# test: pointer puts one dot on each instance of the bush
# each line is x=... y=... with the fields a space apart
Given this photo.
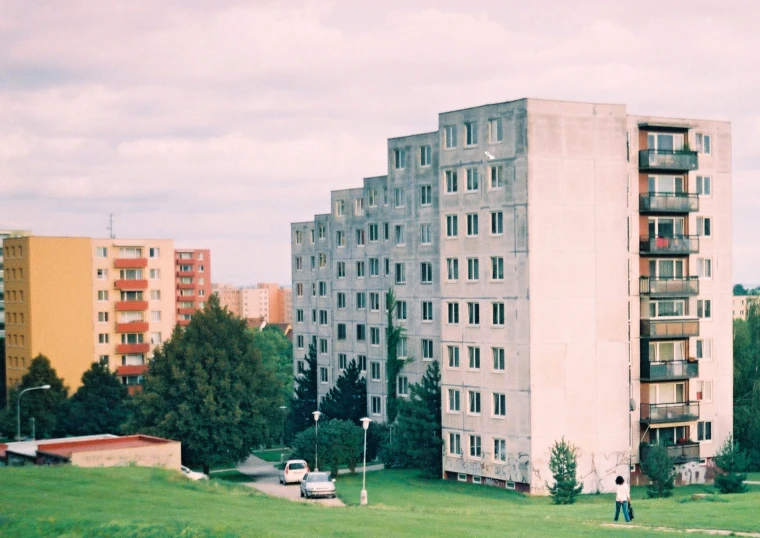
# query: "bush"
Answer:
x=658 y=467
x=340 y=443
x=731 y=462
x=563 y=464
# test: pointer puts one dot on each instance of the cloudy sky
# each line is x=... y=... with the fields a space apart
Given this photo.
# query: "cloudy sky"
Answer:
x=218 y=122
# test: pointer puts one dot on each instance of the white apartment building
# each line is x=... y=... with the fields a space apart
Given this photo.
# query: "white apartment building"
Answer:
x=568 y=265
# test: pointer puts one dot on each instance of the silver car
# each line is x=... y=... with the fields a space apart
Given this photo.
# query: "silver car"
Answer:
x=317 y=485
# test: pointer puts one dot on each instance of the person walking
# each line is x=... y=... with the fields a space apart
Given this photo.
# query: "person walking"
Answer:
x=622 y=498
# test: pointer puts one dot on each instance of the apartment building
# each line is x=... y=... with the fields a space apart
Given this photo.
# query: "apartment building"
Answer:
x=193 y=273
x=742 y=304
x=229 y=297
x=569 y=267
x=266 y=301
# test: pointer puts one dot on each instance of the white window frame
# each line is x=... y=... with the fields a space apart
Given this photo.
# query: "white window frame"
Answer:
x=454 y=399
x=425 y=156
x=499 y=405
x=449 y=136
x=470 y=134
x=452 y=226
x=452 y=352
x=499 y=361
x=497 y=268
x=451 y=180
x=472 y=183
x=472 y=224
x=495 y=131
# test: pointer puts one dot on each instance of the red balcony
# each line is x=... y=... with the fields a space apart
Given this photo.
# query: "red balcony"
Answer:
x=186 y=273
x=131 y=284
x=132 y=348
x=186 y=310
x=185 y=286
x=130 y=263
x=131 y=306
x=138 y=369
x=132 y=327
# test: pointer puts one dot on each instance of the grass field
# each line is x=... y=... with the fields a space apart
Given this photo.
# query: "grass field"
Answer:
x=134 y=501
x=271 y=455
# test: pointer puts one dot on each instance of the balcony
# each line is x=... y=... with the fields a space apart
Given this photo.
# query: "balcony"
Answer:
x=669 y=287
x=669 y=328
x=190 y=274
x=678 y=244
x=669 y=412
x=680 y=453
x=132 y=327
x=186 y=310
x=185 y=286
x=668 y=370
x=131 y=306
x=130 y=263
x=130 y=284
x=652 y=159
x=658 y=202
x=132 y=348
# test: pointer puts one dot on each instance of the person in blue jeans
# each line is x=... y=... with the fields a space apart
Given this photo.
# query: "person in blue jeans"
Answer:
x=622 y=499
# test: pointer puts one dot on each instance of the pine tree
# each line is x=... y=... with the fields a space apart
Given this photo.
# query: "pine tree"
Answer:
x=99 y=405
x=731 y=463
x=305 y=400
x=563 y=463
x=658 y=466
x=347 y=400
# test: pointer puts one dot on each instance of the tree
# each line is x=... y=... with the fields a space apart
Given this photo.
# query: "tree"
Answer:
x=347 y=400
x=417 y=441
x=209 y=388
x=45 y=406
x=306 y=398
x=277 y=352
x=658 y=466
x=731 y=463
x=340 y=443
x=3 y=389
x=747 y=383
x=563 y=463
x=740 y=290
x=393 y=335
x=99 y=405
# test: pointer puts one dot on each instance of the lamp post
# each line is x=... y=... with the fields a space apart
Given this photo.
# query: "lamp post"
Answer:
x=282 y=435
x=316 y=414
x=18 y=408
x=363 y=497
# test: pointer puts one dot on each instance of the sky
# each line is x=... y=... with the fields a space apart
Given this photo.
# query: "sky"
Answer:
x=218 y=123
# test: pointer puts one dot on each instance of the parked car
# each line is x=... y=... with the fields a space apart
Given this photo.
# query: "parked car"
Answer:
x=317 y=485
x=193 y=475
x=293 y=471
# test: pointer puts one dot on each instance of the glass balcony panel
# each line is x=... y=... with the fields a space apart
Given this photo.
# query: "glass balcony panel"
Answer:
x=676 y=244
x=654 y=202
x=669 y=328
x=669 y=412
x=668 y=370
x=653 y=159
x=679 y=453
x=669 y=287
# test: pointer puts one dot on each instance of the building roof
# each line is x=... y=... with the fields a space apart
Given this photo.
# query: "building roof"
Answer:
x=67 y=448
x=29 y=448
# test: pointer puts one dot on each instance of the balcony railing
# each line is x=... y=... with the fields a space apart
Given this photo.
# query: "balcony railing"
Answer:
x=131 y=306
x=678 y=244
x=669 y=328
x=652 y=159
x=658 y=202
x=668 y=370
x=131 y=284
x=132 y=348
x=670 y=412
x=669 y=287
x=680 y=453
x=130 y=263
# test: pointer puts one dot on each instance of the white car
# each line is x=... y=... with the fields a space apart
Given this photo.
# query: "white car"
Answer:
x=294 y=471
x=193 y=475
x=318 y=485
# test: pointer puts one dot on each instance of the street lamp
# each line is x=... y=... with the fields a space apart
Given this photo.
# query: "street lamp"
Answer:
x=363 y=497
x=282 y=435
x=316 y=414
x=18 y=408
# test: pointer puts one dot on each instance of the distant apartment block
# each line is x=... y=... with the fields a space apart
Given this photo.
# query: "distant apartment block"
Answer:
x=268 y=302
x=742 y=304
x=5 y=234
x=193 y=273
x=569 y=267
x=229 y=297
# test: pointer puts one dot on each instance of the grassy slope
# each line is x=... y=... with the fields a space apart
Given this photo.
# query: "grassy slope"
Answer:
x=132 y=501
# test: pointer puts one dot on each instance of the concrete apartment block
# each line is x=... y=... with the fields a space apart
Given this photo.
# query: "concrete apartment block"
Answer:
x=567 y=264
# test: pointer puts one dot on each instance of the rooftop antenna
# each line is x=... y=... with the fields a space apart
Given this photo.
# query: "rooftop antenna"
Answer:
x=110 y=226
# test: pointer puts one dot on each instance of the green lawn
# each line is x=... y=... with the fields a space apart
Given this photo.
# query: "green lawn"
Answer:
x=755 y=477
x=271 y=454
x=134 y=501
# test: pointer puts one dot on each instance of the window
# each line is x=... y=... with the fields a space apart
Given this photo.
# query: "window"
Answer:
x=341 y=269
x=497 y=223
x=704 y=186
x=401 y=310
x=427 y=310
x=665 y=142
x=313 y=289
x=473 y=269
x=398 y=197
x=455 y=446
x=322 y=260
x=454 y=404
x=323 y=346
x=497 y=177
x=427 y=349
x=387 y=263
x=400 y=274
x=342 y=361
x=360 y=237
x=299 y=341
x=426 y=272
x=453 y=354
x=470 y=133
x=322 y=374
x=425 y=236
x=473 y=313
x=361 y=300
x=299 y=263
x=475 y=451
x=472 y=224
x=704 y=430
x=314 y=315
x=322 y=231
x=450 y=136
x=154 y=252
x=299 y=315
x=299 y=237
x=667 y=308
x=155 y=315
x=497 y=268
x=340 y=208
x=704 y=226
x=426 y=195
x=322 y=288
x=494 y=131
x=373 y=233
x=472 y=179
x=340 y=238
x=361 y=332
x=359 y=269
x=359 y=207
x=498 y=359
x=704 y=267
x=374 y=336
x=386 y=231
x=452 y=185
x=341 y=300
x=498 y=314
x=704 y=390
x=155 y=274
x=374 y=267
x=313 y=262
x=372 y=197
x=474 y=401
x=102 y=274
x=399 y=234
x=500 y=449
x=399 y=159
x=374 y=301
x=703 y=143
x=452 y=268
x=102 y=317
x=299 y=289
x=499 y=405
x=102 y=295
x=451 y=226
x=377 y=407
x=362 y=360
x=101 y=252
x=453 y=313
x=374 y=371
x=323 y=317
x=403 y=385
x=401 y=348
x=425 y=159
x=473 y=352
x=704 y=308
x=103 y=338
x=155 y=338
x=704 y=349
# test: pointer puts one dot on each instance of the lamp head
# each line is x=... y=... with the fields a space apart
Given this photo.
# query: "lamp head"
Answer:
x=316 y=414
x=365 y=422
x=45 y=387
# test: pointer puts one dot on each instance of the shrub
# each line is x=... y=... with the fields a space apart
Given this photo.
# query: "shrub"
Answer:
x=658 y=467
x=731 y=462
